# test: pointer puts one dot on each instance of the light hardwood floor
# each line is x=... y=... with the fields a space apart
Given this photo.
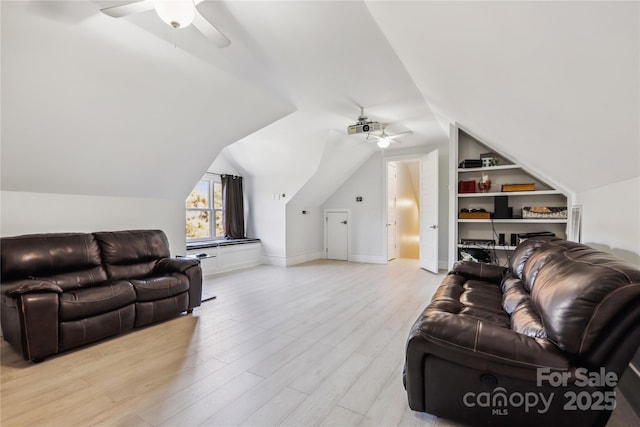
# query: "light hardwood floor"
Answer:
x=316 y=344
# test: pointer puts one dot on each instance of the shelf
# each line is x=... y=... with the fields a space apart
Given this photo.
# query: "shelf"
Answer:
x=512 y=193
x=503 y=248
x=463 y=145
x=518 y=221
x=489 y=168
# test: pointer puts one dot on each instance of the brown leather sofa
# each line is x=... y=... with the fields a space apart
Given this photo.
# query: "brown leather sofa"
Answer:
x=63 y=290
x=542 y=342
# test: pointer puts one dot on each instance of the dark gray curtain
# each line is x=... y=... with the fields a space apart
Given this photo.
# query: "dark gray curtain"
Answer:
x=233 y=206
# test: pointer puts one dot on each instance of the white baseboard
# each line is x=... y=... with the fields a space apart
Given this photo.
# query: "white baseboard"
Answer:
x=299 y=259
x=277 y=260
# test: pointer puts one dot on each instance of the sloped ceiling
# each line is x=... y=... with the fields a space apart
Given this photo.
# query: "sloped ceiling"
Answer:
x=103 y=106
x=555 y=85
x=331 y=58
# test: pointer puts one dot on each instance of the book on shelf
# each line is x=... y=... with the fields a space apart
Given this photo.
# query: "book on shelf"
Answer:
x=518 y=187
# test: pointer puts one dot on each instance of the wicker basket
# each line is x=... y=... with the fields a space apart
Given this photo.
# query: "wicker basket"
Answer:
x=541 y=212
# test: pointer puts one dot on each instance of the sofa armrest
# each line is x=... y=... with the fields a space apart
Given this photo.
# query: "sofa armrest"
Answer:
x=29 y=286
x=175 y=265
x=479 y=270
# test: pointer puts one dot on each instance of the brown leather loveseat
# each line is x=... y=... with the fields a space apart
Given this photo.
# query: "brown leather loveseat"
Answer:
x=542 y=342
x=63 y=290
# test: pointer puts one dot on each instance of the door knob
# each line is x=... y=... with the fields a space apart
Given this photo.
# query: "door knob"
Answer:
x=433 y=226
x=343 y=222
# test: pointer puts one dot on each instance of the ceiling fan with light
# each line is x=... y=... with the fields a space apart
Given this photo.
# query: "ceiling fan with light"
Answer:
x=384 y=139
x=176 y=13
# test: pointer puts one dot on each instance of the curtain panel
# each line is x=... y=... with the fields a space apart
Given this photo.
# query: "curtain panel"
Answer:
x=233 y=205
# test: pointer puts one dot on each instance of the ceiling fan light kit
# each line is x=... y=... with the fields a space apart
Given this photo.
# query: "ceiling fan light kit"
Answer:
x=176 y=13
x=384 y=142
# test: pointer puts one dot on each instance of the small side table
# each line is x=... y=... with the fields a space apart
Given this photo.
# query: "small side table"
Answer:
x=199 y=257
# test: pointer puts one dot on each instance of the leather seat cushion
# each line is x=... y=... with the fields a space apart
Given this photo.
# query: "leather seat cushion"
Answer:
x=470 y=298
x=156 y=288
x=87 y=302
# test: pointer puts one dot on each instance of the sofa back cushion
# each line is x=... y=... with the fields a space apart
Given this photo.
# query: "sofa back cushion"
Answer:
x=132 y=254
x=71 y=260
x=577 y=290
x=522 y=254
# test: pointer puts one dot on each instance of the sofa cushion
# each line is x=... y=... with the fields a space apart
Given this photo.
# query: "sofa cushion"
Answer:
x=155 y=288
x=88 y=302
x=470 y=298
x=132 y=254
x=523 y=252
x=69 y=260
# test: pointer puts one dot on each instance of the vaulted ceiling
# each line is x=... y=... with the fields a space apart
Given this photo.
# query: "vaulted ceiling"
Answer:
x=103 y=106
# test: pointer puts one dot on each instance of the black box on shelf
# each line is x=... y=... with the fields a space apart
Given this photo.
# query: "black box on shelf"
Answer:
x=470 y=163
x=500 y=208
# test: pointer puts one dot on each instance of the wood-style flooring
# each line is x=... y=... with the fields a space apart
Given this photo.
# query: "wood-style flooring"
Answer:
x=320 y=343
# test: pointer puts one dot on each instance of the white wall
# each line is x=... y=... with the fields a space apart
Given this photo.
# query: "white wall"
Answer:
x=28 y=213
x=366 y=216
x=266 y=216
x=611 y=218
x=305 y=234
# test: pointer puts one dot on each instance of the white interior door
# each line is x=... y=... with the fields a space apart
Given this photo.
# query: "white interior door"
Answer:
x=392 y=221
x=337 y=235
x=429 y=212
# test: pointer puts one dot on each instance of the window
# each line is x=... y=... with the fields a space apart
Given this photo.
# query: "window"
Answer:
x=204 y=210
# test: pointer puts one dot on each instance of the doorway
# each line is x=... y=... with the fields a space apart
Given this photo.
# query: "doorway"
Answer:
x=412 y=208
x=403 y=209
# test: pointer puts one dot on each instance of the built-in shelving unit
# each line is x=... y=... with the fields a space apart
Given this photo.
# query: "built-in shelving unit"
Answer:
x=464 y=146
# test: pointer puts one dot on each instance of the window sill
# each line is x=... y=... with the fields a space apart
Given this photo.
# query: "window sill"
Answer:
x=219 y=243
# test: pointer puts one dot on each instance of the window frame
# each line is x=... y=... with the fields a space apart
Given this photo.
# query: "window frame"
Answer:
x=213 y=180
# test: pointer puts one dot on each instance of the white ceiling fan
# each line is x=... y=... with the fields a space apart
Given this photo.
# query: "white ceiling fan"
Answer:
x=384 y=139
x=176 y=13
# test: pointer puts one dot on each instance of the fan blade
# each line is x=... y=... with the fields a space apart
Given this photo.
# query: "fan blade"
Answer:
x=395 y=135
x=209 y=31
x=128 y=9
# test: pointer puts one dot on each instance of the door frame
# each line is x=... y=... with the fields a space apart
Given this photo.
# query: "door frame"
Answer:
x=326 y=230
x=396 y=158
x=395 y=211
